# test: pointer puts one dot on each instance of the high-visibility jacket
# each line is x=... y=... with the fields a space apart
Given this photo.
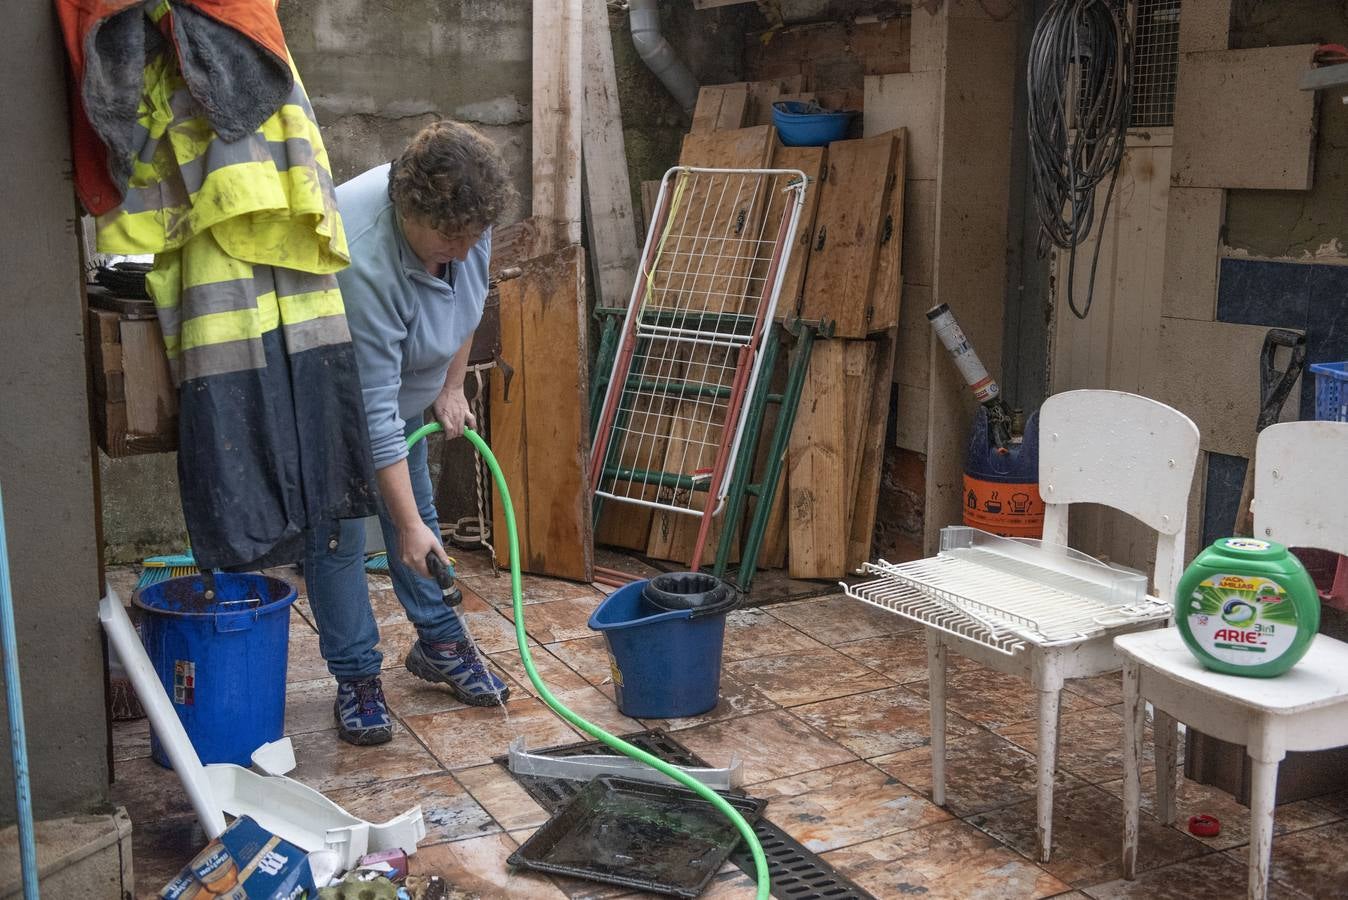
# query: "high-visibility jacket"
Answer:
x=232 y=54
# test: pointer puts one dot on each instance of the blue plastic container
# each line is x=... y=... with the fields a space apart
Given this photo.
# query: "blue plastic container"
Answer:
x=223 y=662
x=665 y=664
x=1331 y=391
x=808 y=124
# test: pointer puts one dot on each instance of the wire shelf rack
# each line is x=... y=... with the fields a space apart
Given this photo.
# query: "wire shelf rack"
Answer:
x=689 y=352
x=1006 y=601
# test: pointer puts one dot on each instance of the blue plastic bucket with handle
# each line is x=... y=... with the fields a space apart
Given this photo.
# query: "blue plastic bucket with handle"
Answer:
x=666 y=663
x=222 y=661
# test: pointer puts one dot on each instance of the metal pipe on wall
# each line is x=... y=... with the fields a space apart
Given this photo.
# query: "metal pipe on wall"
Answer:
x=658 y=55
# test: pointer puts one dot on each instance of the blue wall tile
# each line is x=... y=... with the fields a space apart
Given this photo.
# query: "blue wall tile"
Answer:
x=1226 y=476
x=1262 y=292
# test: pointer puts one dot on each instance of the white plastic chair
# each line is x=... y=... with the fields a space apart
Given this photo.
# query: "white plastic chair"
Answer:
x=1107 y=447
x=1300 y=500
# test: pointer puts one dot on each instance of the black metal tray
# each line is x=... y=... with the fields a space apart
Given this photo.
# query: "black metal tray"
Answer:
x=651 y=837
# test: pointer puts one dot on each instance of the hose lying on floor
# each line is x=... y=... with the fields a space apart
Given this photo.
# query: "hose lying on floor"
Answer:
x=594 y=731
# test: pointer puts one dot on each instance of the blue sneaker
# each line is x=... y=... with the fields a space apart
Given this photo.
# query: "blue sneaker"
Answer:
x=362 y=715
x=461 y=668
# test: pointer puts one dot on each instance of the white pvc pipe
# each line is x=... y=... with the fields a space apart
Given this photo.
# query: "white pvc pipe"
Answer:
x=167 y=727
x=658 y=55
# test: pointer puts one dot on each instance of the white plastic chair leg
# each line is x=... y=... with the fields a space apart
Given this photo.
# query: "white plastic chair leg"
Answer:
x=1134 y=720
x=1048 y=767
x=1263 y=794
x=1166 y=732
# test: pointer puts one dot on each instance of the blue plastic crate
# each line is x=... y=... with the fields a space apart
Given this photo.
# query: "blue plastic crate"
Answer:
x=1331 y=391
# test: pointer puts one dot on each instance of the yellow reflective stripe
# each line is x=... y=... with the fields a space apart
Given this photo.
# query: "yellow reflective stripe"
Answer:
x=239 y=325
x=312 y=305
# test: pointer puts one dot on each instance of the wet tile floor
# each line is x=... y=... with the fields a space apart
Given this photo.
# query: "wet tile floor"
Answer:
x=825 y=702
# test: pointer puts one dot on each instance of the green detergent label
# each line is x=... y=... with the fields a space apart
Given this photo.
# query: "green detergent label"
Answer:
x=1242 y=620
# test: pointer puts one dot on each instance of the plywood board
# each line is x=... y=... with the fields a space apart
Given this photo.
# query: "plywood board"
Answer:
x=866 y=495
x=1210 y=372
x=1242 y=121
x=609 y=218
x=762 y=94
x=858 y=386
x=809 y=160
x=1193 y=231
x=720 y=107
x=151 y=398
x=650 y=193
x=544 y=427
x=848 y=223
x=910 y=100
x=883 y=311
x=772 y=552
x=817 y=470
x=1205 y=25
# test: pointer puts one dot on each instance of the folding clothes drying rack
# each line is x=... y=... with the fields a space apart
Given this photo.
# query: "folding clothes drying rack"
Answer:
x=690 y=348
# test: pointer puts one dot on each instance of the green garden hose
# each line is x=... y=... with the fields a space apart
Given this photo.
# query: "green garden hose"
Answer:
x=594 y=731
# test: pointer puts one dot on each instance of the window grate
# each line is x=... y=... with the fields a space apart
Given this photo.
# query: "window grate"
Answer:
x=1155 y=63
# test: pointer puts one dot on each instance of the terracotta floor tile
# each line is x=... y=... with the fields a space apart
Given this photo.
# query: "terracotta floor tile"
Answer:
x=408 y=695
x=806 y=676
x=1312 y=861
x=557 y=675
x=558 y=620
x=982 y=771
x=1195 y=798
x=1214 y=875
x=838 y=618
x=1101 y=690
x=737 y=699
x=535 y=589
x=770 y=744
x=130 y=740
x=588 y=657
x=946 y=860
x=1336 y=803
x=451 y=813
x=502 y=796
x=492 y=631
x=478 y=867
x=848 y=804
x=309 y=705
x=1090 y=743
x=327 y=763
x=754 y=632
x=305 y=662
x=472 y=736
x=879 y=722
x=160 y=848
x=1087 y=836
x=901 y=657
x=595 y=706
x=149 y=792
x=994 y=699
x=395 y=639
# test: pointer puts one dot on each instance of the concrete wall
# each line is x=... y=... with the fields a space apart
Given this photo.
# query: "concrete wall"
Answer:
x=46 y=459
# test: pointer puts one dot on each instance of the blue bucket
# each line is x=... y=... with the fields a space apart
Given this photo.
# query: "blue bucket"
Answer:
x=802 y=124
x=666 y=664
x=222 y=662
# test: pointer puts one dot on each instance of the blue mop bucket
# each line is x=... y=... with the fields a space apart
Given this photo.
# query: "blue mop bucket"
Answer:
x=222 y=661
x=666 y=661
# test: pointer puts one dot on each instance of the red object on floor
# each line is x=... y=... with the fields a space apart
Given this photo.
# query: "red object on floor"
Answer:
x=1204 y=826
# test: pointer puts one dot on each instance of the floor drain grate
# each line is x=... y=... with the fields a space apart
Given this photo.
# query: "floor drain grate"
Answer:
x=797 y=873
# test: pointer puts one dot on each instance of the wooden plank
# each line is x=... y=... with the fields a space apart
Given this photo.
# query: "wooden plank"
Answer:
x=611 y=226
x=508 y=430
x=762 y=94
x=720 y=107
x=1205 y=25
x=1193 y=238
x=546 y=420
x=650 y=193
x=858 y=385
x=1210 y=372
x=558 y=99
x=846 y=249
x=517 y=242
x=809 y=160
x=882 y=313
x=1242 y=121
x=816 y=461
x=831 y=56
x=151 y=398
x=866 y=496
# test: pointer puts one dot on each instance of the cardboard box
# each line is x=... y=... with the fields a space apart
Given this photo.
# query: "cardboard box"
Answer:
x=247 y=862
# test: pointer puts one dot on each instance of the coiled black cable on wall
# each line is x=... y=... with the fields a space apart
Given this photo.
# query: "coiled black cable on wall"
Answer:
x=1079 y=81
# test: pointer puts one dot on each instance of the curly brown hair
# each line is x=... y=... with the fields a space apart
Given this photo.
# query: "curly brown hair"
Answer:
x=452 y=178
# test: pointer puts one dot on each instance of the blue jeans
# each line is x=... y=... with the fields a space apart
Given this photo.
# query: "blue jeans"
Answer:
x=334 y=571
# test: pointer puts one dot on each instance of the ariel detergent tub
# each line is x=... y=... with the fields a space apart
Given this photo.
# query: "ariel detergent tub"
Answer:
x=1247 y=607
